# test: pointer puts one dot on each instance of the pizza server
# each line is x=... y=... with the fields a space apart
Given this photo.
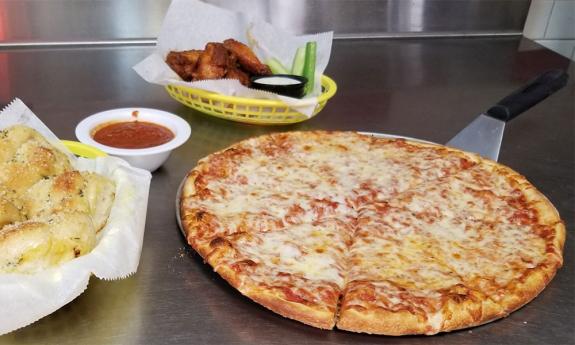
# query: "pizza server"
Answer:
x=484 y=134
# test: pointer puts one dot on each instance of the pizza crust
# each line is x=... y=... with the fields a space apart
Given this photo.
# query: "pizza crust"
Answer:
x=188 y=188
x=454 y=315
x=312 y=315
x=470 y=312
x=380 y=321
x=529 y=287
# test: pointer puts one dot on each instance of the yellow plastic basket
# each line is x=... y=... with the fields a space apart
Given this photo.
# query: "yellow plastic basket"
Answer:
x=248 y=110
x=83 y=150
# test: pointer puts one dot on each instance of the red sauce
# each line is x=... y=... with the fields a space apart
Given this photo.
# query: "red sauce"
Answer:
x=132 y=135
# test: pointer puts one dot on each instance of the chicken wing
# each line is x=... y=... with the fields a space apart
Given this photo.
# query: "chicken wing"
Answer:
x=212 y=63
x=246 y=57
x=236 y=73
x=184 y=62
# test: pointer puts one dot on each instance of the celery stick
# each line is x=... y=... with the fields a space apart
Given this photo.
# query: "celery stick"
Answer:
x=276 y=66
x=298 y=61
x=309 y=65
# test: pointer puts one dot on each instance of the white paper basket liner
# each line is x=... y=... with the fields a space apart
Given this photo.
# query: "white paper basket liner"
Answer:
x=26 y=298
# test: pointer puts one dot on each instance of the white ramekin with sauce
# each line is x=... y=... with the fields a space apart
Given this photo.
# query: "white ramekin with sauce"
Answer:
x=143 y=137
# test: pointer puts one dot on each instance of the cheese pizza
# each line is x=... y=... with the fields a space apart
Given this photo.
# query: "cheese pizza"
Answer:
x=375 y=235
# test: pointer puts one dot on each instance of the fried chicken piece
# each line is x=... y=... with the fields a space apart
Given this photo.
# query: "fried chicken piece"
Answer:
x=213 y=62
x=236 y=73
x=184 y=62
x=246 y=57
x=232 y=60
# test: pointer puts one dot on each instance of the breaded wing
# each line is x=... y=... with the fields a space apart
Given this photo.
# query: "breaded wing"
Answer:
x=184 y=63
x=246 y=57
x=212 y=63
x=236 y=73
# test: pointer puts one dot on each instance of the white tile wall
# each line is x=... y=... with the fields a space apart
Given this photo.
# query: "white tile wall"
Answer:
x=562 y=20
x=551 y=23
x=537 y=19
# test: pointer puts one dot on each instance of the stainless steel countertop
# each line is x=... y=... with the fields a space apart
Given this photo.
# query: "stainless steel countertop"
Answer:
x=426 y=88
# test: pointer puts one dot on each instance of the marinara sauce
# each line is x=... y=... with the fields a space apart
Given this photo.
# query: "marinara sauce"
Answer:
x=132 y=135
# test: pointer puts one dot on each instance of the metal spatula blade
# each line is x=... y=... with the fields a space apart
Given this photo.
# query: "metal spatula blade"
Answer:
x=482 y=136
x=485 y=133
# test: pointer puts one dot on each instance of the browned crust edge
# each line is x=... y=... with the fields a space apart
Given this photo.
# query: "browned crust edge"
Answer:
x=311 y=315
x=454 y=315
x=474 y=313
x=379 y=321
x=442 y=149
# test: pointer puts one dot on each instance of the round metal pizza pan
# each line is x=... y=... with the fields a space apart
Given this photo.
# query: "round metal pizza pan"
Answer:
x=373 y=134
x=178 y=195
x=393 y=136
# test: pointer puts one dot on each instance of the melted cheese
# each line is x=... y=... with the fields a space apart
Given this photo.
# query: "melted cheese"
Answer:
x=313 y=252
x=425 y=242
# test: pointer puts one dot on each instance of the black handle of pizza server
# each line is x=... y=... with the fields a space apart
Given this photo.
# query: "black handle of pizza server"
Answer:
x=534 y=92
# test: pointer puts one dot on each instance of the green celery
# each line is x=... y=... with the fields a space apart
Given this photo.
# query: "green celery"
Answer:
x=298 y=61
x=276 y=66
x=309 y=66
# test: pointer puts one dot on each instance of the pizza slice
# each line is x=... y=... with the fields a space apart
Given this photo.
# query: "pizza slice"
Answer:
x=498 y=189
x=259 y=167
x=393 y=166
x=396 y=277
x=230 y=209
x=265 y=213
x=297 y=272
x=489 y=196
x=421 y=263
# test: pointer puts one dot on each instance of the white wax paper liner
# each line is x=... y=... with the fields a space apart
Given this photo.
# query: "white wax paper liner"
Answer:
x=25 y=298
x=190 y=24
